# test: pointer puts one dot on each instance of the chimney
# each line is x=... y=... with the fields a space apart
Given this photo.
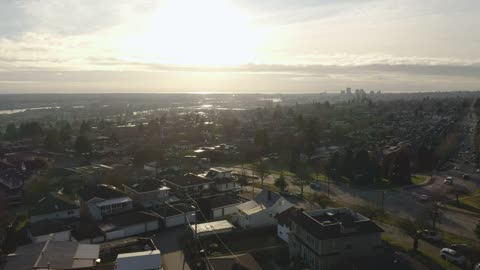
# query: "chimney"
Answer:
x=269 y=195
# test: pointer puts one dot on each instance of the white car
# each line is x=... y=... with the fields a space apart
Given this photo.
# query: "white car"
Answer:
x=452 y=256
x=477 y=266
x=448 y=180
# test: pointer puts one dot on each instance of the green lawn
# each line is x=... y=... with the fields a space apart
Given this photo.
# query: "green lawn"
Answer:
x=418 y=179
x=473 y=201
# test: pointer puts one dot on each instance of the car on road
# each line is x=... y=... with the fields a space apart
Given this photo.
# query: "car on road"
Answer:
x=478 y=170
x=315 y=185
x=448 y=180
x=429 y=235
x=452 y=256
x=423 y=197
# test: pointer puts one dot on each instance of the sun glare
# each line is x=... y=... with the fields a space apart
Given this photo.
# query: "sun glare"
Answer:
x=207 y=32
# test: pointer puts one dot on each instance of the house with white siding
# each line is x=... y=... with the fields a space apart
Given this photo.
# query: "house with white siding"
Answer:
x=104 y=200
x=261 y=211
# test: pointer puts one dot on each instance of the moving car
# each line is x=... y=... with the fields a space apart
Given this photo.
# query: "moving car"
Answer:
x=429 y=235
x=448 y=180
x=423 y=197
x=452 y=256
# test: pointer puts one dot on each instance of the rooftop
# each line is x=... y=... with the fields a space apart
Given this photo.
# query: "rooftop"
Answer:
x=48 y=226
x=148 y=185
x=335 y=223
x=173 y=210
x=236 y=262
x=52 y=202
x=101 y=191
x=212 y=227
x=113 y=223
x=53 y=254
x=188 y=180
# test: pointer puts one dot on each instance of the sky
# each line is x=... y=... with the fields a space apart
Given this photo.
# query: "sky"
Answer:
x=268 y=46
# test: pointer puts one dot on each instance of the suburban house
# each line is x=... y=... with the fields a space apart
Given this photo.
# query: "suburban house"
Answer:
x=284 y=222
x=54 y=206
x=223 y=180
x=189 y=184
x=143 y=260
x=333 y=238
x=218 y=207
x=45 y=230
x=103 y=200
x=175 y=215
x=149 y=192
x=128 y=224
x=261 y=211
x=54 y=255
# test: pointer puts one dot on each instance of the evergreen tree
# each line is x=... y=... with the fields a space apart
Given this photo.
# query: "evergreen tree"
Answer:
x=82 y=145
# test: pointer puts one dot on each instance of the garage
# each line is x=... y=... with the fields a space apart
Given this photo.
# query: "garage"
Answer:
x=129 y=224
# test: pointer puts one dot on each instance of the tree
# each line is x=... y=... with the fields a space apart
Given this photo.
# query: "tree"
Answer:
x=411 y=228
x=261 y=170
x=281 y=183
x=84 y=128
x=433 y=214
x=303 y=177
x=322 y=200
x=477 y=231
x=65 y=132
x=10 y=132
x=82 y=145
x=52 y=139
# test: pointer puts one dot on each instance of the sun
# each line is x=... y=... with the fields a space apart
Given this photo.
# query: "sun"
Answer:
x=194 y=32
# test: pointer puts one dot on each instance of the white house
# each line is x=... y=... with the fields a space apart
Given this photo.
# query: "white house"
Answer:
x=144 y=260
x=54 y=206
x=223 y=180
x=104 y=200
x=261 y=211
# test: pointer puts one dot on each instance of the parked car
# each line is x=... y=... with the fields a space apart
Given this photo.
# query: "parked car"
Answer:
x=452 y=256
x=478 y=170
x=429 y=235
x=477 y=266
x=465 y=176
x=315 y=185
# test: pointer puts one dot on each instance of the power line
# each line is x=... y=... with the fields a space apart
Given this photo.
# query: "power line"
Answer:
x=214 y=232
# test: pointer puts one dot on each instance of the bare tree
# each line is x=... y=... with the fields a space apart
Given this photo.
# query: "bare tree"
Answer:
x=261 y=170
x=411 y=228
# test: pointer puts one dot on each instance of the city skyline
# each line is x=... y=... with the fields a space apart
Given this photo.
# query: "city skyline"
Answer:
x=238 y=46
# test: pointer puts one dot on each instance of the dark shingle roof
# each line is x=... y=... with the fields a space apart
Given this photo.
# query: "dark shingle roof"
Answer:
x=173 y=210
x=52 y=203
x=48 y=226
x=188 y=180
x=126 y=219
x=238 y=262
x=101 y=191
x=216 y=202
